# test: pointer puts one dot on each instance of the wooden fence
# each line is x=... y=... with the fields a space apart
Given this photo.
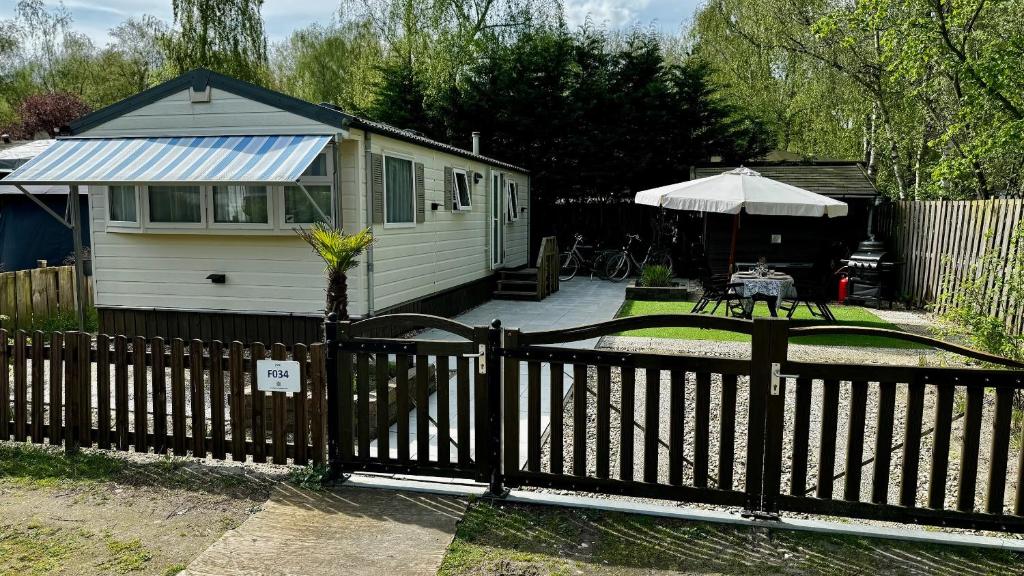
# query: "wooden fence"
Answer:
x=913 y=444
x=151 y=395
x=939 y=241
x=30 y=297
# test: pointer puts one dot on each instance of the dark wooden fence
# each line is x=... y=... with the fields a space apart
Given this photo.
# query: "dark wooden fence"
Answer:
x=765 y=434
x=933 y=445
x=938 y=242
x=186 y=398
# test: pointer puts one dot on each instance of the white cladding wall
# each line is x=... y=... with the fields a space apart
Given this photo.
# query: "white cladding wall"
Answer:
x=449 y=248
x=225 y=113
x=278 y=273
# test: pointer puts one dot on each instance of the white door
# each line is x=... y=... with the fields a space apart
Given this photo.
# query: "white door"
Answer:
x=497 y=230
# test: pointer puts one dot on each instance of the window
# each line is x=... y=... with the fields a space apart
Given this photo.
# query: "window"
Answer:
x=123 y=204
x=461 y=198
x=513 y=202
x=240 y=204
x=399 y=191
x=318 y=167
x=175 y=204
x=299 y=210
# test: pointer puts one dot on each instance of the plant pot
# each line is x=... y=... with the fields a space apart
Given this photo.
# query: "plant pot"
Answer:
x=673 y=293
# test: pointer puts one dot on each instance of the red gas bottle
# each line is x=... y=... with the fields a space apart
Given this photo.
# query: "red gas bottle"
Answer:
x=844 y=288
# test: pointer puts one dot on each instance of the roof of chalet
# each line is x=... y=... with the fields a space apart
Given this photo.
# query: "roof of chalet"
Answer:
x=832 y=178
x=328 y=114
x=18 y=152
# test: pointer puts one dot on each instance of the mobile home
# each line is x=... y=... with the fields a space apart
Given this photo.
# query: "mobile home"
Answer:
x=196 y=188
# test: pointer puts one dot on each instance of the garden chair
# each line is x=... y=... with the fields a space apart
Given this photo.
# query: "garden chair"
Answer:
x=717 y=288
x=811 y=291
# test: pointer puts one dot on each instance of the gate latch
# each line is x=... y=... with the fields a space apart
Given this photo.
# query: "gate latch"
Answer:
x=481 y=359
x=777 y=377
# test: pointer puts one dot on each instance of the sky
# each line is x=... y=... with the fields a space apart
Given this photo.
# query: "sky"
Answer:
x=96 y=17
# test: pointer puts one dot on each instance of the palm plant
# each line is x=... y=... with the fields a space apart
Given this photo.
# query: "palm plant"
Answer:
x=339 y=251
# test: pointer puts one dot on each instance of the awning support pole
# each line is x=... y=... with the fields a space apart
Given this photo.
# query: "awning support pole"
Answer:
x=76 y=233
x=315 y=205
x=39 y=202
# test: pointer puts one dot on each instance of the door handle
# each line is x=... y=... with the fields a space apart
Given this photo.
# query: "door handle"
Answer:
x=777 y=377
x=481 y=357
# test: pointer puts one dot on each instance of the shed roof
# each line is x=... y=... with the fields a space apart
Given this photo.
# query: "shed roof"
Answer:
x=835 y=179
x=328 y=114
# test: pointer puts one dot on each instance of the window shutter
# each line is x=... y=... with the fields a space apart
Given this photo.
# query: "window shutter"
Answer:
x=377 y=187
x=449 y=188
x=421 y=194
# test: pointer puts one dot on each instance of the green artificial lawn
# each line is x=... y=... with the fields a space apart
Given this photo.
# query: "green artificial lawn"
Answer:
x=846 y=315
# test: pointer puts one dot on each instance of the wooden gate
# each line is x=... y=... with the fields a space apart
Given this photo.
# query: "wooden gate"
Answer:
x=388 y=426
x=765 y=434
x=891 y=441
x=647 y=455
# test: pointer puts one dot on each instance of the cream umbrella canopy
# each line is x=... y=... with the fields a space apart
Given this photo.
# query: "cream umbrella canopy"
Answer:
x=740 y=190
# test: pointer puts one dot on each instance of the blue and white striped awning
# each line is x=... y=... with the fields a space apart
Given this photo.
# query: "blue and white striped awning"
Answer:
x=187 y=159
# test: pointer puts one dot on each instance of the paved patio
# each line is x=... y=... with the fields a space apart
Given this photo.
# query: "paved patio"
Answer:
x=578 y=302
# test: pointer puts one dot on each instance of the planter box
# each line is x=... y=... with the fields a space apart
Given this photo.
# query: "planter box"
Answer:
x=665 y=293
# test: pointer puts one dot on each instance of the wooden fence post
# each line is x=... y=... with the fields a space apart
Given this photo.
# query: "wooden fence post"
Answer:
x=493 y=403
x=769 y=344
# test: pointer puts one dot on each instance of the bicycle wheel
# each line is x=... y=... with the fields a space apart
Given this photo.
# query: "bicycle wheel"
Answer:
x=617 y=267
x=661 y=259
x=598 y=263
x=568 y=266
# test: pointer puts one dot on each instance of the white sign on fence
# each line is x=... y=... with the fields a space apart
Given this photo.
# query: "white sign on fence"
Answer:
x=277 y=375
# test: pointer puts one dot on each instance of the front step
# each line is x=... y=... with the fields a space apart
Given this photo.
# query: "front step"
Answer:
x=516 y=295
x=520 y=274
x=519 y=284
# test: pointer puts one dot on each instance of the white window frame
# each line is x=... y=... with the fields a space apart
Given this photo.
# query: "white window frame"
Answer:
x=384 y=178
x=456 y=198
x=327 y=180
x=204 y=191
x=111 y=223
x=512 y=200
x=268 y=225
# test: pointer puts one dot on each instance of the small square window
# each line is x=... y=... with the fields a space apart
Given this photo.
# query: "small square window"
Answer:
x=240 y=205
x=299 y=210
x=461 y=197
x=123 y=204
x=175 y=204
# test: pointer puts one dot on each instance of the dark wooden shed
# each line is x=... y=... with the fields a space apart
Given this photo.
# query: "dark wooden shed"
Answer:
x=794 y=241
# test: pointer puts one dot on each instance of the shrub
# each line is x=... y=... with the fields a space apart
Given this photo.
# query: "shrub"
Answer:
x=656 y=277
x=966 y=301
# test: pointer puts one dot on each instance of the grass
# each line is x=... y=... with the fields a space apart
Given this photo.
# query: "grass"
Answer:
x=846 y=315
x=36 y=549
x=497 y=538
x=47 y=467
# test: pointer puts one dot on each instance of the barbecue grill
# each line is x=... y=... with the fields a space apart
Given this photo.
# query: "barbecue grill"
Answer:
x=870 y=270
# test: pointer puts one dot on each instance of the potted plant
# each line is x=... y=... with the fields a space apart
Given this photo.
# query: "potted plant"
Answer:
x=656 y=283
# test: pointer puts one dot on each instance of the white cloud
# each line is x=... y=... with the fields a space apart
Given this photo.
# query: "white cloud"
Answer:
x=610 y=13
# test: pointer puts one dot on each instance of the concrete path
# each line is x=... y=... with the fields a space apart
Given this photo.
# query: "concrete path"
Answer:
x=344 y=531
x=578 y=302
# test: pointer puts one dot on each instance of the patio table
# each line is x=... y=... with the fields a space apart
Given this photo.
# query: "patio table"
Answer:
x=770 y=289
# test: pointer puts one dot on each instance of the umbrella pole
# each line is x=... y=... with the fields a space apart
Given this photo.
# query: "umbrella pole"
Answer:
x=732 y=244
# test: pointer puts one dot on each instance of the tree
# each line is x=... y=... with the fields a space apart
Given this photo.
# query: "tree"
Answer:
x=135 y=58
x=339 y=251
x=47 y=112
x=223 y=35
x=338 y=63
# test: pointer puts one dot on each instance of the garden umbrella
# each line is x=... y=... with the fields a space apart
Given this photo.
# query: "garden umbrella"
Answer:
x=740 y=190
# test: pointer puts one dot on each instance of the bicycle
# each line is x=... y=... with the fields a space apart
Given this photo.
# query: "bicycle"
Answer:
x=569 y=263
x=623 y=262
